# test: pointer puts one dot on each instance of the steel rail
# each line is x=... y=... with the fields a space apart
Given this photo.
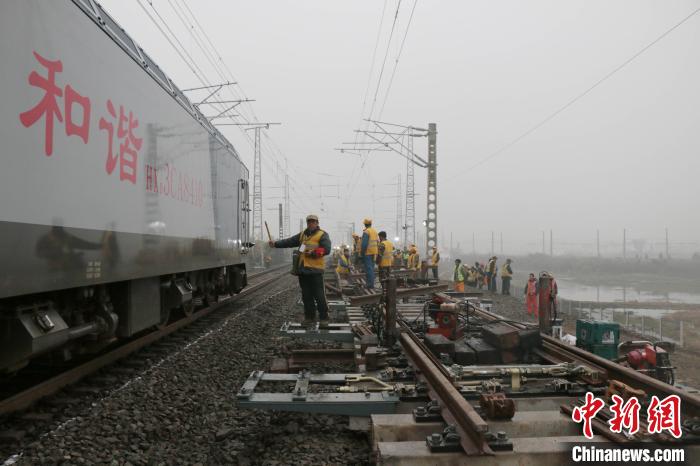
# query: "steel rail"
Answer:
x=400 y=293
x=48 y=387
x=455 y=409
x=557 y=351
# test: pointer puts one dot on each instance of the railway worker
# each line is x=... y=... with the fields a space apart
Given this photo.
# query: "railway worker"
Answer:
x=506 y=275
x=369 y=250
x=398 y=256
x=385 y=257
x=491 y=272
x=405 y=255
x=458 y=276
x=532 y=290
x=313 y=244
x=553 y=292
x=479 y=272
x=434 y=259
x=344 y=267
x=356 y=249
x=413 y=263
x=471 y=277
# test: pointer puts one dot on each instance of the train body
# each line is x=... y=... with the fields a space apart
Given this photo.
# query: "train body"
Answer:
x=121 y=203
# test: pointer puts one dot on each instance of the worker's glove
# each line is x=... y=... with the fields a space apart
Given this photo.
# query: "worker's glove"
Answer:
x=318 y=252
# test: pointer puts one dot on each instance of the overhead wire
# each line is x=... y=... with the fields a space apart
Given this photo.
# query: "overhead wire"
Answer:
x=396 y=62
x=352 y=182
x=221 y=71
x=189 y=60
x=570 y=102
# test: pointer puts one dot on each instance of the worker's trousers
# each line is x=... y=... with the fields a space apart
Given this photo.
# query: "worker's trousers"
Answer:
x=435 y=272
x=313 y=294
x=505 y=287
x=491 y=281
x=532 y=304
x=368 y=260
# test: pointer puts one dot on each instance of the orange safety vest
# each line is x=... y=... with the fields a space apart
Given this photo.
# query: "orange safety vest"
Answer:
x=504 y=271
x=310 y=243
x=388 y=255
x=531 y=287
x=373 y=243
x=343 y=265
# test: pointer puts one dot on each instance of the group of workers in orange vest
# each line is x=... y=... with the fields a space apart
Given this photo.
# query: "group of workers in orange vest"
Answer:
x=480 y=275
x=374 y=248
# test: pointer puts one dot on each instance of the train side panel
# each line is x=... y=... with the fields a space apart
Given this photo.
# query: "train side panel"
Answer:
x=121 y=203
x=106 y=176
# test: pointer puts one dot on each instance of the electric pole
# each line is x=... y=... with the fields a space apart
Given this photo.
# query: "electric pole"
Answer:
x=399 y=206
x=257 y=180
x=432 y=187
x=285 y=223
x=551 y=246
x=410 y=193
x=543 y=253
x=383 y=139
x=257 y=188
x=281 y=222
x=597 y=242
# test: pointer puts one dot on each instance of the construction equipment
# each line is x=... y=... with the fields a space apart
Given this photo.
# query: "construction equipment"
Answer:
x=648 y=358
x=447 y=320
x=599 y=338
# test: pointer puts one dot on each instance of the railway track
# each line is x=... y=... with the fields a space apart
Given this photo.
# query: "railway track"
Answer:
x=529 y=420
x=56 y=382
x=556 y=351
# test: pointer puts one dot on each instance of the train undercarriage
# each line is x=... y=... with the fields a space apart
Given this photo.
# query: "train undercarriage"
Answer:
x=65 y=324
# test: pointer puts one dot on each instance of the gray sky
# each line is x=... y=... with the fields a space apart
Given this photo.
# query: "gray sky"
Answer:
x=623 y=156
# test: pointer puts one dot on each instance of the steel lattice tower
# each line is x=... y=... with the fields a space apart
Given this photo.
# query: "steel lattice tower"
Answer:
x=399 y=206
x=286 y=230
x=257 y=190
x=431 y=233
x=410 y=233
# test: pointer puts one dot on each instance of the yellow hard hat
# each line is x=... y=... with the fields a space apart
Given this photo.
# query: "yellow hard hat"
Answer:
x=367 y=221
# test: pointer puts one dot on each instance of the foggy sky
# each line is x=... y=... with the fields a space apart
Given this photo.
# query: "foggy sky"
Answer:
x=624 y=156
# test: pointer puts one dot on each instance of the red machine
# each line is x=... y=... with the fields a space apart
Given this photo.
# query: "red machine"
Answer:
x=447 y=321
x=649 y=358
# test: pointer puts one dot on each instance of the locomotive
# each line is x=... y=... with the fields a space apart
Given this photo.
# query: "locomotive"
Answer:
x=122 y=205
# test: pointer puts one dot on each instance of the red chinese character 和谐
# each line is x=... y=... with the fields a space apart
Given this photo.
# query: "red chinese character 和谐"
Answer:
x=129 y=144
x=48 y=105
